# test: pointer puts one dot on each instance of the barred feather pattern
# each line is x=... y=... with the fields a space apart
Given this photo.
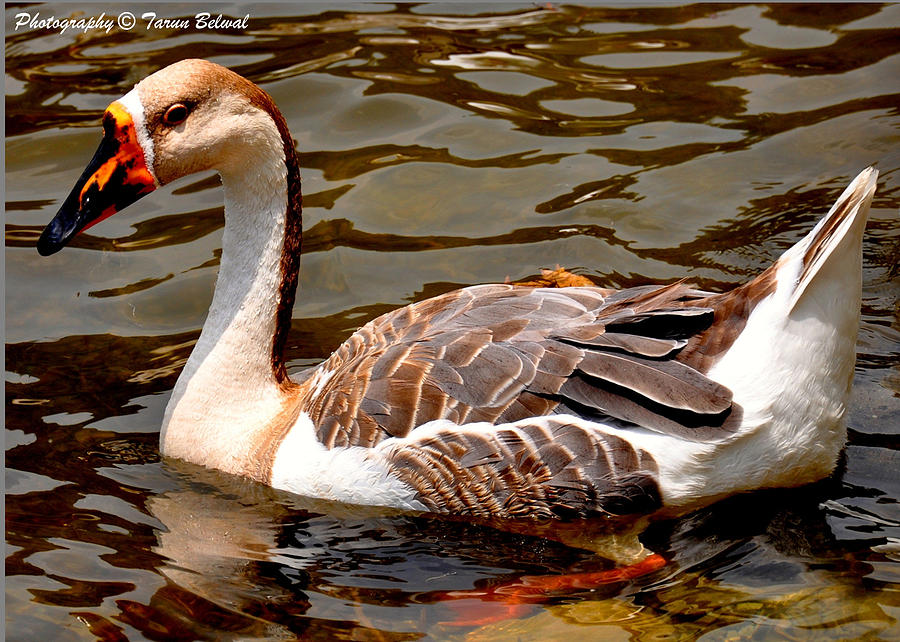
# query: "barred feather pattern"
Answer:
x=543 y=468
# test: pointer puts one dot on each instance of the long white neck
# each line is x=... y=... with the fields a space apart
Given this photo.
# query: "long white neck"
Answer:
x=228 y=392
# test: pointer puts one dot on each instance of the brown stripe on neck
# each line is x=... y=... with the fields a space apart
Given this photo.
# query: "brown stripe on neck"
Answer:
x=293 y=234
x=290 y=254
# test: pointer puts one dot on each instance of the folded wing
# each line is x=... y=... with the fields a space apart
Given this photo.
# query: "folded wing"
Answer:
x=504 y=353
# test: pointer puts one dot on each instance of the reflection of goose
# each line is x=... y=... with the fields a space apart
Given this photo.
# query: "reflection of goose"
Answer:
x=493 y=400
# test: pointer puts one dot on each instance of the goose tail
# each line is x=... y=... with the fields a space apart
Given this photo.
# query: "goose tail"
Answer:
x=834 y=246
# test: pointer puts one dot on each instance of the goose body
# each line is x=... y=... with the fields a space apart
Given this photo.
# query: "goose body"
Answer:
x=493 y=400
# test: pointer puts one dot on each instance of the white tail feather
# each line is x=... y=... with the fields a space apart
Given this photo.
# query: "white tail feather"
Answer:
x=842 y=227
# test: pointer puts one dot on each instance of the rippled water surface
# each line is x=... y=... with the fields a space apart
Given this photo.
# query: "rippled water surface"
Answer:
x=441 y=146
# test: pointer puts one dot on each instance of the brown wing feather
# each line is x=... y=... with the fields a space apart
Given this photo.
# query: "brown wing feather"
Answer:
x=502 y=353
x=551 y=468
x=668 y=383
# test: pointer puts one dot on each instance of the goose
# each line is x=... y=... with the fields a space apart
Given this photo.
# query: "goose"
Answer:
x=495 y=401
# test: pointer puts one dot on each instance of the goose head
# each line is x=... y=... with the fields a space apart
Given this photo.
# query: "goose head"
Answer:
x=189 y=117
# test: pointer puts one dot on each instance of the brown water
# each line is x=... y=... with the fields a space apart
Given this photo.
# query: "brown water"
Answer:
x=441 y=145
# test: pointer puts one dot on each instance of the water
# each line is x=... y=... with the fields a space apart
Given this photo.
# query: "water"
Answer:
x=441 y=145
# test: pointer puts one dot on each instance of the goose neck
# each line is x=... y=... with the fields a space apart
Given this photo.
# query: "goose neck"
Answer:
x=233 y=388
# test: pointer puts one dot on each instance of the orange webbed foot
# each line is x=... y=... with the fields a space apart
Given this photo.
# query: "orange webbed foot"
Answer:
x=515 y=598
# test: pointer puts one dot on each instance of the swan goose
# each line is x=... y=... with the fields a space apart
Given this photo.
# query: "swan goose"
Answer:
x=491 y=401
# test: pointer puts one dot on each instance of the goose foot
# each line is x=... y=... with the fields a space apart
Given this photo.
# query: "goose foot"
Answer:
x=514 y=599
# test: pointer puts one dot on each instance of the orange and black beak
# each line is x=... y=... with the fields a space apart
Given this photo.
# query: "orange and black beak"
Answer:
x=115 y=178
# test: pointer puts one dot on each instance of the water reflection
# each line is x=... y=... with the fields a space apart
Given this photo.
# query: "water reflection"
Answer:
x=441 y=145
x=247 y=560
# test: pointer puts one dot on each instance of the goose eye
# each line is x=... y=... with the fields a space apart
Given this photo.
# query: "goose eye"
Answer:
x=176 y=114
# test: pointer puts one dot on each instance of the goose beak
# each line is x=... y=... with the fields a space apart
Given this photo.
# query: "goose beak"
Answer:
x=115 y=178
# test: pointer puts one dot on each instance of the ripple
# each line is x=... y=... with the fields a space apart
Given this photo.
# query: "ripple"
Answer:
x=441 y=146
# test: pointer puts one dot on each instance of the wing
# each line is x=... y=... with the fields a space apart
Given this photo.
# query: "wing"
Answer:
x=545 y=467
x=502 y=353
